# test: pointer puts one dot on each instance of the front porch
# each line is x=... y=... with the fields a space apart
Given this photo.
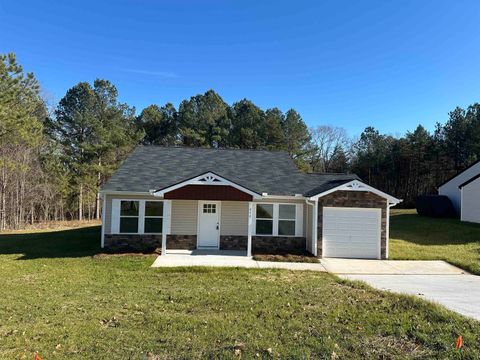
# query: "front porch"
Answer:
x=226 y=258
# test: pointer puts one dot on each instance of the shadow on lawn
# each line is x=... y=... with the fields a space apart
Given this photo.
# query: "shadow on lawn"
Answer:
x=424 y=230
x=70 y=243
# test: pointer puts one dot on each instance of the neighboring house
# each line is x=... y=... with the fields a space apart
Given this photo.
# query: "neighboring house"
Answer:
x=251 y=200
x=451 y=187
x=470 y=199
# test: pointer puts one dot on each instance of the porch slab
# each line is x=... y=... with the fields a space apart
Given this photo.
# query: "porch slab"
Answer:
x=226 y=258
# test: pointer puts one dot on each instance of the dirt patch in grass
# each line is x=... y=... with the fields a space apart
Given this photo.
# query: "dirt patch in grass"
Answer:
x=302 y=257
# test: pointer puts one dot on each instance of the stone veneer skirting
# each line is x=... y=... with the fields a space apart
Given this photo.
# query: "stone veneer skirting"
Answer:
x=358 y=199
x=262 y=244
x=149 y=242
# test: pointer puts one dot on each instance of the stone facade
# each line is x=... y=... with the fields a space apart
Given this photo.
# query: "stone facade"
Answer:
x=359 y=199
x=264 y=244
x=146 y=243
x=233 y=242
x=182 y=242
x=277 y=244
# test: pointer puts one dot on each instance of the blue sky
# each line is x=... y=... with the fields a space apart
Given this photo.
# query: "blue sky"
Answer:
x=389 y=64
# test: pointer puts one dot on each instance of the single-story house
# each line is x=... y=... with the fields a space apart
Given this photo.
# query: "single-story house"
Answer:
x=463 y=190
x=250 y=200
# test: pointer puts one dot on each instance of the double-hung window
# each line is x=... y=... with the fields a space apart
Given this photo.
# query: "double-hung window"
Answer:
x=153 y=217
x=286 y=220
x=138 y=216
x=129 y=214
x=264 y=221
x=277 y=220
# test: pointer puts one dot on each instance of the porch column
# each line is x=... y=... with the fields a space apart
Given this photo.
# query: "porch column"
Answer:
x=315 y=228
x=249 y=233
x=166 y=224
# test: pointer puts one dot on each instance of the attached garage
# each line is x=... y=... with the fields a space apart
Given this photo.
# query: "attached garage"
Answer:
x=352 y=232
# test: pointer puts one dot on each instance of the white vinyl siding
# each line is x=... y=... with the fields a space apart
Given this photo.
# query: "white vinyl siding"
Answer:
x=471 y=202
x=451 y=189
x=234 y=218
x=351 y=232
x=184 y=217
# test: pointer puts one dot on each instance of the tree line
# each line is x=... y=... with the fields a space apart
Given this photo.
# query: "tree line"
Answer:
x=53 y=159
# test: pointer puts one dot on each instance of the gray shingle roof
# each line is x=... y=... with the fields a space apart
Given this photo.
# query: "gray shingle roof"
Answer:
x=273 y=172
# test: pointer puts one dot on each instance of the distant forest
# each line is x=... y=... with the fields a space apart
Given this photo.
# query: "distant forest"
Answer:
x=54 y=158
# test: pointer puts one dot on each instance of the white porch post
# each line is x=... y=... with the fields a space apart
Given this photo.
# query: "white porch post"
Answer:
x=249 y=233
x=104 y=209
x=315 y=228
x=167 y=205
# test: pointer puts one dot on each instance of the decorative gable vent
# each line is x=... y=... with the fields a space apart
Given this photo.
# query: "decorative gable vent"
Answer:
x=209 y=179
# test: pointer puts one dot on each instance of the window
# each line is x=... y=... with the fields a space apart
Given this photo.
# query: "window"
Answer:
x=153 y=217
x=264 y=221
x=129 y=211
x=209 y=208
x=276 y=219
x=138 y=217
x=286 y=220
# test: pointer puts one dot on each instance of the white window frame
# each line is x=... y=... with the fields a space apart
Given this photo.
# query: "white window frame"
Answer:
x=294 y=218
x=272 y=219
x=275 y=219
x=152 y=216
x=120 y=216
x=141 y=216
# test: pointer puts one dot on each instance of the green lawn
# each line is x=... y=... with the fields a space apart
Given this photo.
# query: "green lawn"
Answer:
x=64 y=300
x=415 y=237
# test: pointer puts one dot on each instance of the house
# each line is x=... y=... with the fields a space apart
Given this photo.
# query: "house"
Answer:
x=251 y=200
x=470 y=199
x=462 y=189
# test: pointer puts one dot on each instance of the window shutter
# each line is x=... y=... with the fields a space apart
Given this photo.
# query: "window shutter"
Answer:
x=299 y=220
x=115 y=216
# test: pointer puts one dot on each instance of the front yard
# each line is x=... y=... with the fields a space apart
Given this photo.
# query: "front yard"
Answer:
x=62 y=298
x=416 y=237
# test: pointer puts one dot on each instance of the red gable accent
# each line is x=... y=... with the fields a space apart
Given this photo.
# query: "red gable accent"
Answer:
x=208 y=192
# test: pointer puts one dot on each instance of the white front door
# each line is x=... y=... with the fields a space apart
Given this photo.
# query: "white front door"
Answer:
x=351 y=232
x=208 y=224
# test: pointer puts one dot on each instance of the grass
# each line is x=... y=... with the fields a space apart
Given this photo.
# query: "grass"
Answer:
x=415 y=237
x=64 y=299
x=303 y=257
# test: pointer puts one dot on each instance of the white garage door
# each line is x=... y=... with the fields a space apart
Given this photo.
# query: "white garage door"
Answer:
x=351 y=232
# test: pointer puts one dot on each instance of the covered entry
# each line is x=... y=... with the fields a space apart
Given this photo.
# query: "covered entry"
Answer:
x=351 y=232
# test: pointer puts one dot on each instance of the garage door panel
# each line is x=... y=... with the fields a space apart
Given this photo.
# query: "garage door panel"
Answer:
x=351 y=232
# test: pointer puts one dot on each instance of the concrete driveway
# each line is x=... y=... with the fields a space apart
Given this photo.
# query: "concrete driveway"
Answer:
x=436 y=281
x=460 y=293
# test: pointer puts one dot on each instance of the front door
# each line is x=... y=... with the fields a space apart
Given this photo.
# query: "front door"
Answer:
x=208 y=224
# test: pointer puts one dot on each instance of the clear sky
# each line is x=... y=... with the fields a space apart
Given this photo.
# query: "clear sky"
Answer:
x=390 y=64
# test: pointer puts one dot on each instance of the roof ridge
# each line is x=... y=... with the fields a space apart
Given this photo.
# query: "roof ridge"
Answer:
x=209 y=149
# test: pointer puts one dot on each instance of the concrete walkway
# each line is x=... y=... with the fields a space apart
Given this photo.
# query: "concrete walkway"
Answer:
x=226 y=259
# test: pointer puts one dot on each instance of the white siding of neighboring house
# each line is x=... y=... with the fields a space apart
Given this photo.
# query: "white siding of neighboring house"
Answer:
x=471 y=202
x=451 y=189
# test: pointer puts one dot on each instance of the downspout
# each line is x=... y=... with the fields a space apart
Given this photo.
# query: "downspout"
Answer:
x=314 y=206
x=104 y=209
x=388 y=228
